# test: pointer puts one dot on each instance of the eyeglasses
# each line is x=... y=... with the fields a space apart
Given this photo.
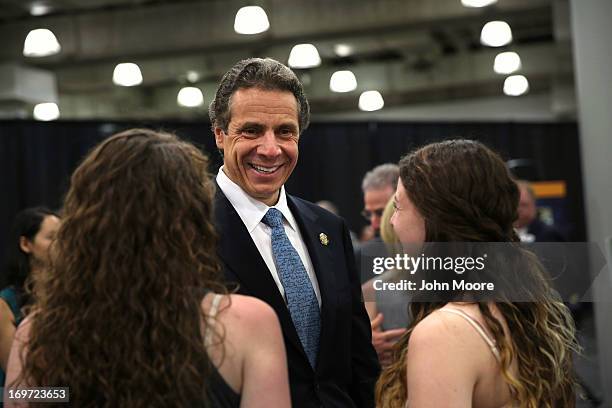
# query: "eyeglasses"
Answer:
x=369 y=214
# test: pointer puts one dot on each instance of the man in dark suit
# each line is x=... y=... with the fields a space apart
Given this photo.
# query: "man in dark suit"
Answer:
x=528 y=225
x=286 y=251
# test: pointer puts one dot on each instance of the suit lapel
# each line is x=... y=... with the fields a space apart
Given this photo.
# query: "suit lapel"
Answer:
x=240 y=255
x=322 y=261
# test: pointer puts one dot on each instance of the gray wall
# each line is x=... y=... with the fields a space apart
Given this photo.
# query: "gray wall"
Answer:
x=593 y=66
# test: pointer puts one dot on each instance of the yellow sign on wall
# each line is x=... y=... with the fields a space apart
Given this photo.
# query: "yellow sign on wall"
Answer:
x=549 y=189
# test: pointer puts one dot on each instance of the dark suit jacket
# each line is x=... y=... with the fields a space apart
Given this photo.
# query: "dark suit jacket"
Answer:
x=544 y=233
x=347 y=365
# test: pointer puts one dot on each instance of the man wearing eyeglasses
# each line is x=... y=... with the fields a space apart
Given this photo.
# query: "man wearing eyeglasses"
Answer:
x=378 y=187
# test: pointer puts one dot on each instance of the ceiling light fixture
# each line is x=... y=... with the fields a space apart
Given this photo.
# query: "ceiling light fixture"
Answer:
x=371 y=101
x=127 y=74
x=190 y=97
x=39 y=9
x=477 y=3
x=251 y=20
x=507 y=62
x=192 y=76
x=304 y=56
x=516 y=85
x=343 y=50
x=40 y=42
x=496 y=34
x=46 y=111
x=342 y=81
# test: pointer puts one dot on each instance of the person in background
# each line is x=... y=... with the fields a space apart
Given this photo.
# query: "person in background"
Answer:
x=367 y=234
x=287 y=251
x=132 y=312
x=460 y=352
x=528 y=225
x=388 y=310
x=27 y=256
x=378 y=186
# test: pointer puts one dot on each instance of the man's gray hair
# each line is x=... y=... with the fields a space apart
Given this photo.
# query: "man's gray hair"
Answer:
x=264 y=73
x=381 y=177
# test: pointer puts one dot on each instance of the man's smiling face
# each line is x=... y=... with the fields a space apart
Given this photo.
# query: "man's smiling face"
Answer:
x=260 y=148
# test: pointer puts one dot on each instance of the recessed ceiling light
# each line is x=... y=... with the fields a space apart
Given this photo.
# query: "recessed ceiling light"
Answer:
x=371 y=101
x=193 y=76
x=516 y=85
x=41 y=42
x=190 y=97
x=507 y=62
x=477 y=3
x=127 y=74
x=251 y=20
x=343 y=50
x=46 y=111
x=496 y=34
x=304 y=56
x=342 y=81
x=40 y=9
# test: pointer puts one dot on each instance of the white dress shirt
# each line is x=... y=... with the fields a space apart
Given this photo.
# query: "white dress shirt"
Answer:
x=251 y=212
x=524 y=236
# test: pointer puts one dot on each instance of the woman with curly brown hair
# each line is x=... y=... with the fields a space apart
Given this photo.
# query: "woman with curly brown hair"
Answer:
x=463 y=350
x=128 y=315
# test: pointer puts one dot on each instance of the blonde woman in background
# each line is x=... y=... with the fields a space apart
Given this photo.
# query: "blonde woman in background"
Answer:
x=388 y=311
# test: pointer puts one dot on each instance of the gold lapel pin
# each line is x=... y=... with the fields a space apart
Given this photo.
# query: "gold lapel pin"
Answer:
x=323 y=238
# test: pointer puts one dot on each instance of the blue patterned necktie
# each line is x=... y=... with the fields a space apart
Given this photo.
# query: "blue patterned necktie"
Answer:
x=301 y=299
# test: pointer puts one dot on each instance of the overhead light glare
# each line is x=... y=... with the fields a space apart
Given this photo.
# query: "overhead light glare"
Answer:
x=516 y=85
x=496 y=34
x=342 y=81
x=507 y=62
x=304 y=56
x=477 y=3
x=127 y=74
x=39 y=9
x=251 y=20
x=46 y=111
x=193 y=76
x=343 y=50
x=40 y=42
x=190 y=97
x=371 y=101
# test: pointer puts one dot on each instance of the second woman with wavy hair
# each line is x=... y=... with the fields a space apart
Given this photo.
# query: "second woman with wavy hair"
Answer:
x=127 y=315
x=463 y=350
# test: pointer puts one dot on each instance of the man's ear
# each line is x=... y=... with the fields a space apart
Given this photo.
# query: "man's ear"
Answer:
x=24 y=245
x=219 y=134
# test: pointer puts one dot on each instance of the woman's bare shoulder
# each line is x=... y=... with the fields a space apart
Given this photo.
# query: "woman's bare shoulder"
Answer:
x=444 y=347
x=244 y=313
x=448 y=334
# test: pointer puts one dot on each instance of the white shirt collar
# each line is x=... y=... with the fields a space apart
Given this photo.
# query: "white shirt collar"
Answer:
x=250 y=210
